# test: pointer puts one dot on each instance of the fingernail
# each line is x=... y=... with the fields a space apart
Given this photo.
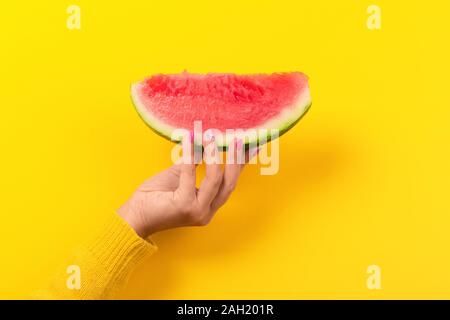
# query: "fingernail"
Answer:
x=239 y=144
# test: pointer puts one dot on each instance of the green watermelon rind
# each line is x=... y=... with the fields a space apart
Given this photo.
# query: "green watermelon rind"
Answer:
x=302 y=106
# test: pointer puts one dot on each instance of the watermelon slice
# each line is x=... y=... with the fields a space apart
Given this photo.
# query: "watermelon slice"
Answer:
x=222 y=102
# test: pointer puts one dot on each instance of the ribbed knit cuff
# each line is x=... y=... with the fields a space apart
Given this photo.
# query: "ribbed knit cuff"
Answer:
x=120 y=243
x=111 y=258
x=104 y=263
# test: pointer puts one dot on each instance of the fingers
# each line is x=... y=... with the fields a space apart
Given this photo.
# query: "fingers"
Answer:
x=232 y=172
x=230 y=175
x=217 y=185
x=214 y=175
x=250 y=155
x=230 y=178
x=186 y=185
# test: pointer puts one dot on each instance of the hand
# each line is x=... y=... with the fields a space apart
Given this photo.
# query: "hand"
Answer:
x=171 y=199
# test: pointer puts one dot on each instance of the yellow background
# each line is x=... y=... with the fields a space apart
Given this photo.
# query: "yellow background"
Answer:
x=364 y=177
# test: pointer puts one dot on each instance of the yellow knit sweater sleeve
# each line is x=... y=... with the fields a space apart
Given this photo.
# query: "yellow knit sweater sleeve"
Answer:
x=100 y=268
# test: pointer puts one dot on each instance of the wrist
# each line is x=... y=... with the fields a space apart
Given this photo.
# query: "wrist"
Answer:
x=133 y=219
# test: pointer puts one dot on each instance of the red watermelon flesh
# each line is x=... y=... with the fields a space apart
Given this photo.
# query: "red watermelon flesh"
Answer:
x=222 y=101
